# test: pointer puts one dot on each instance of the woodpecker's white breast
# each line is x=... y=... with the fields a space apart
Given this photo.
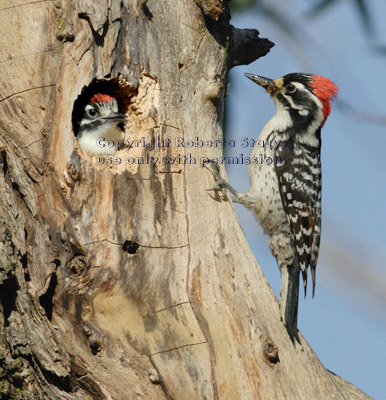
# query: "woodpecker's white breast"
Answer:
x=263 y=194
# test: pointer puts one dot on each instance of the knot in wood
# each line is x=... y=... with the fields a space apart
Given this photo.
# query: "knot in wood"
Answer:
x=95 y=339
x=270 y=350
x=77 y=265
x=153 y=376
x=213 y=90
x=73 y=167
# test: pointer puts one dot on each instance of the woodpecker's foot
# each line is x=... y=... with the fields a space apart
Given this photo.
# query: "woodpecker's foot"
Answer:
x=221 y=183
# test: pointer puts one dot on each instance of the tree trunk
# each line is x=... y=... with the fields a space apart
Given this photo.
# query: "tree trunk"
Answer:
x=120 y=279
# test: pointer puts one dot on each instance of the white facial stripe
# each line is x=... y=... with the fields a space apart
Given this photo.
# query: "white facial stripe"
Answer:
x=105 y=111
x=299 y=85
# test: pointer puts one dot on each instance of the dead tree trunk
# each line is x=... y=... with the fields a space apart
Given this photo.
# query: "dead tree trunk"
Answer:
x=121 y=280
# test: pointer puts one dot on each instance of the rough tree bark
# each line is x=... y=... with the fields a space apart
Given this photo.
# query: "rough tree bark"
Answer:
x=127 y=281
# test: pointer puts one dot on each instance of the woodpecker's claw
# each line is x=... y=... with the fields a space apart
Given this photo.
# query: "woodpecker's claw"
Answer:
x=221 y=184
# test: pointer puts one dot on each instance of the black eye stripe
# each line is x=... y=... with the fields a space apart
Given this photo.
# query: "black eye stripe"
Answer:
x=303 y=98
x=91 y=125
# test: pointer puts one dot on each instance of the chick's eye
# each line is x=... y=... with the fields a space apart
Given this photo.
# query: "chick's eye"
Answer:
x=291 y=89
x=92 y=113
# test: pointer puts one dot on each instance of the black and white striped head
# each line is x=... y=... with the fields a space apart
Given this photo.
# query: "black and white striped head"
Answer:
x=306 y=97
x=102 y=110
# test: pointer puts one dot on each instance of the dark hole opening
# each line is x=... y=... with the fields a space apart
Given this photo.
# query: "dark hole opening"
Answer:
x=130 y=247
x=46 y=300
x=8 y=294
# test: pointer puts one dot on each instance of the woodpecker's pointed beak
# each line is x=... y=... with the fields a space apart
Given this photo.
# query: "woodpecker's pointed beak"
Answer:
x=115 y=117
x=268 y=84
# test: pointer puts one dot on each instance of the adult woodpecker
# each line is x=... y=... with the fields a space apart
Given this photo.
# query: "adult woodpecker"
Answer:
x=100 y=121
x=285 y=194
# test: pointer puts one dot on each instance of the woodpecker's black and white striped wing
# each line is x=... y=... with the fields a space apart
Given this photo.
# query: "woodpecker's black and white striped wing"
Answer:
x=300 y=181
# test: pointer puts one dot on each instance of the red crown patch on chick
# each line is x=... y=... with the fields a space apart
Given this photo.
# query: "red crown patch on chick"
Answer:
x=101 y=98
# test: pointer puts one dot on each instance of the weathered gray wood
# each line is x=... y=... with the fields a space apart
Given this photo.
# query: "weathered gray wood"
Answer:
x=131 y=281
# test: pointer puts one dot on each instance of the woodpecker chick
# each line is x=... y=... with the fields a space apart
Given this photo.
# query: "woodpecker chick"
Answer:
x=285 y=194
x=100 y=121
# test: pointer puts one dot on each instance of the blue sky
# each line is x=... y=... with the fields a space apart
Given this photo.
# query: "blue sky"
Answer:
x=346 y=321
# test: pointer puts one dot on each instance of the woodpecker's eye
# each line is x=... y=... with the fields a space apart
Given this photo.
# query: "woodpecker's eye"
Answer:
x=92 y=113
x=291 y=88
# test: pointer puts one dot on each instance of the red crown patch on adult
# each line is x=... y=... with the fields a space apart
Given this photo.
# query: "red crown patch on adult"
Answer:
x=101 y=98
x=326 y=91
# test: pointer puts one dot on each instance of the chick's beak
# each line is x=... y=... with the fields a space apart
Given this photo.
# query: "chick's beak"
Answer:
x=116 y=117
x=268 y=84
